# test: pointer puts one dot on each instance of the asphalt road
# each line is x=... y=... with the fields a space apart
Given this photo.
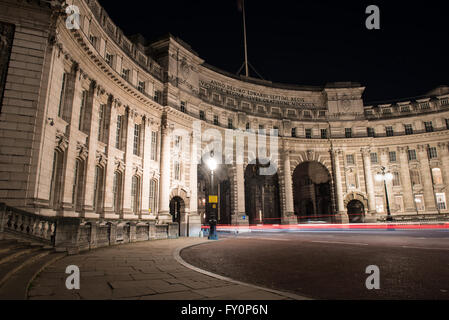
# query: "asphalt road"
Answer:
x=332 y=265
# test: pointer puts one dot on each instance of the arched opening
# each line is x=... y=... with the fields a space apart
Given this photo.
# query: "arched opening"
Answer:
x=177 y=211
x=356 y=211
x=262 y=201
x=312 y=192
x=222 y=188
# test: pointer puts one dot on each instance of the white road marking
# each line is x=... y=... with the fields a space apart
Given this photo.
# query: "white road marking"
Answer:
x=424 y=248
x=337 y=242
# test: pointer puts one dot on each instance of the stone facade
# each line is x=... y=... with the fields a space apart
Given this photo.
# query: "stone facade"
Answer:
x=97 y=125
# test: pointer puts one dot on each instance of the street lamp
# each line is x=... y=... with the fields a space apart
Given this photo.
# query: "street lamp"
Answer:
x=213 y=199
x=385 y=176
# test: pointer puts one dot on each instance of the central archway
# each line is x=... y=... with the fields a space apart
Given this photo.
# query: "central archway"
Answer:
x=262 y=201
x=312 y=192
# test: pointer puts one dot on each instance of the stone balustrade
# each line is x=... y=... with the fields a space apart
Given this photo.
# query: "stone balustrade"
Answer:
x=73 y=235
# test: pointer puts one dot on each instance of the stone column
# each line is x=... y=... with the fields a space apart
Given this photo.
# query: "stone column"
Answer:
x=369 y=181
x=342 y=215
x=194 y=220
x=240 y=212
x=146 y=176
x=406 y=183
x=444 y=156
x=127 y=198
x=92 y=124
x=109 y=213
x=288 y=216
x=164 y=189
x=429 y=196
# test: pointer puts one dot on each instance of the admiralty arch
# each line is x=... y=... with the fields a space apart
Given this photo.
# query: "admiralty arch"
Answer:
x=97 y=125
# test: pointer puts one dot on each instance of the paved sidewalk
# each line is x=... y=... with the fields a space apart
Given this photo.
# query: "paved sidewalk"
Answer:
x=144 y=270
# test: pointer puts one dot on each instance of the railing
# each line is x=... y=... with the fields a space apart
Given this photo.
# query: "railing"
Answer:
x=75 y=234
x=27 y=224
x=417 y=218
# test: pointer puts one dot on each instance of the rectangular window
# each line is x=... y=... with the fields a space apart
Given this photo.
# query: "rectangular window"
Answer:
x=230 y=124
x=202 y=115
x=62 y=95
x=348 y=133
x=177 y=169
x=135 y=195
x=93 y=40
x=154 y=145
x=380 y=205
x=178 y=141
x=109 y=57
x=82 y=110
x=389 y=131
x=216 y=120
x=157 y=96
x=371 y=132
x=183 y=107
x=441 y=201
x=412 y=155
x=125 y=74
x=153 y=197
x=141 y=86
x=248 y=126
x=136 y=145
x=118 y=133
x=374 y=158
x=392 y=156
x=408 y=129
x=447 y=124
x=429 y=126
x=399 y=203
x=294 y=132
x=419 y=200
x=324 y=134
x=433 y=153
x=396 y=179
x=414 y=177
x=350 y=159
x=308 y=133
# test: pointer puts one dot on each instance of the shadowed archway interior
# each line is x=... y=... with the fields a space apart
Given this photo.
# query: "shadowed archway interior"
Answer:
x=312 y=192
x=262 y=200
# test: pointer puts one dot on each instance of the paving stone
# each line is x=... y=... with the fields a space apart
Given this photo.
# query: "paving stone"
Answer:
x=150 y=276
x=182 y=295
x=230 y=290
x=120 y=293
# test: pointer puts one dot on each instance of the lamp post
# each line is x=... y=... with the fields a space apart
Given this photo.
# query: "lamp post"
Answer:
x=385 y=176
x=213 y=199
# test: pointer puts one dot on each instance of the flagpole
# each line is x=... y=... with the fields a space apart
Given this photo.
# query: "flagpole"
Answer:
x=244 y=35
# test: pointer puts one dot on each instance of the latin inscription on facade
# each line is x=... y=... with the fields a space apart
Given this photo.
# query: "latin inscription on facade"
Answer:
x=255 y=96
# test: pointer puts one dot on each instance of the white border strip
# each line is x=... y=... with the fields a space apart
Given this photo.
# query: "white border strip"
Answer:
x=178 y=258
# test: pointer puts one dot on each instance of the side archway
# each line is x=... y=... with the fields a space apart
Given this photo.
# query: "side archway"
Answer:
x=356 y=205
x=179 y=206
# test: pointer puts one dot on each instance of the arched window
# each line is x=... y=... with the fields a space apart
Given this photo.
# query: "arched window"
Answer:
x=437 y=177
x=98 y=189
x=78 y=185
x=117 y=192
x=56 y=179
x=135 y=195
x=153 y=196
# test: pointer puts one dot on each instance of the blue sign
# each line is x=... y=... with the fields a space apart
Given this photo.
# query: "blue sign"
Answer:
x=244 y=217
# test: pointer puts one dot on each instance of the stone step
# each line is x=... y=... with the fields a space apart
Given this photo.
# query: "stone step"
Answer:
x=4 y=248
x=15 y=253
x=16 y=286
x=11 y=267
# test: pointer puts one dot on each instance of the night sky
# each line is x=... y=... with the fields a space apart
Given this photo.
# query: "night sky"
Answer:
x=308 y=42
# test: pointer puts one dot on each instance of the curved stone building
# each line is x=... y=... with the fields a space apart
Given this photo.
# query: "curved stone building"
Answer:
x=98 y=125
